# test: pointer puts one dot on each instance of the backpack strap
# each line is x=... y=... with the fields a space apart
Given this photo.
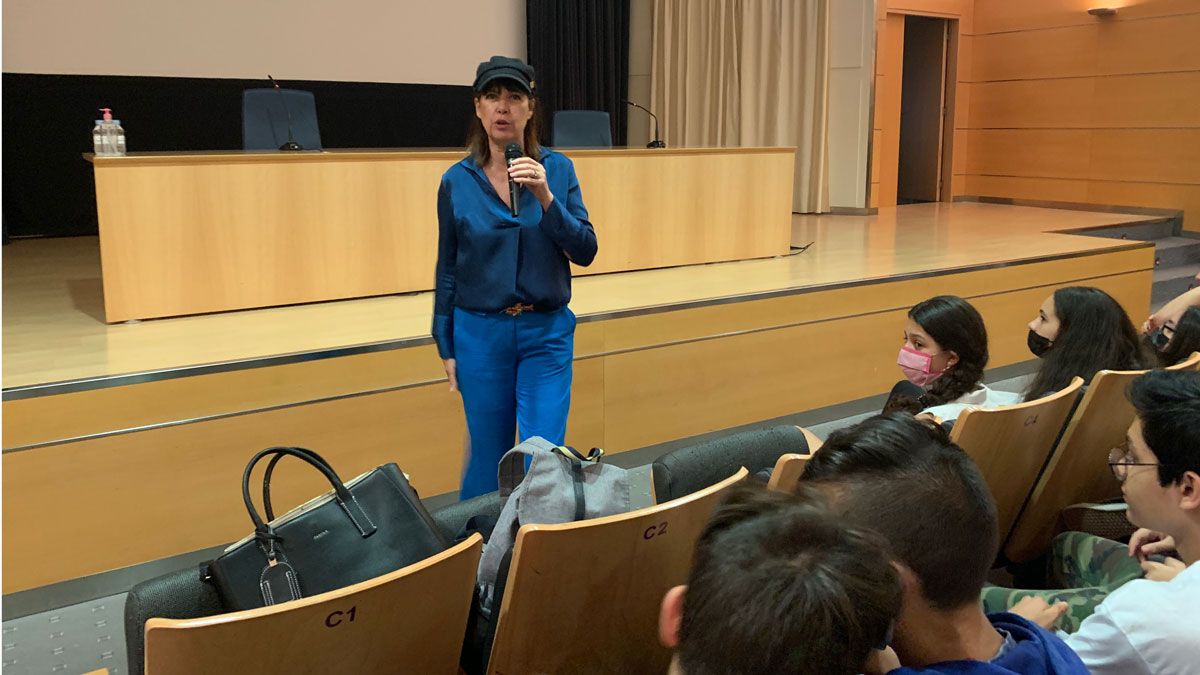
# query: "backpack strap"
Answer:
x=576 y=460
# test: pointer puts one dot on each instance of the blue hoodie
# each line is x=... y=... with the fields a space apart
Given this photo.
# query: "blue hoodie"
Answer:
x=1034 y=651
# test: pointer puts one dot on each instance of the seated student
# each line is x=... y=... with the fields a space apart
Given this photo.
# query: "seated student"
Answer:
x=1083 y=570
x=905 y=479
x=1176 y=338
x=1170 y=312
x=1149 y=626
x=944 y=353
x=1079 y=331
x=780 y=585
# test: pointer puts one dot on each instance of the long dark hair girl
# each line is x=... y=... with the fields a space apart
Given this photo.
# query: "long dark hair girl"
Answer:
x=1094 y=333
x=957 y=327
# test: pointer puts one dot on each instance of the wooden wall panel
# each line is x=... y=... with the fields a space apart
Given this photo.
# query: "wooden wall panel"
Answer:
x=888 y=107
x=1031 y=104
x=1070 y=107
x=1161 y=195
x=959 y=164
x=1146 y=155
x=997 y=16
x=51 y=418
x=1033 y=153
x=964 y=94
x=1058 y=52
x=1038 y=189
x=1164 y=44
x=1147 y=100
x=121 y=500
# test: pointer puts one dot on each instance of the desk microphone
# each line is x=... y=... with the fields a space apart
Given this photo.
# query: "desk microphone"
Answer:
x=291 y=144
x=512 y=152
x=657 y=142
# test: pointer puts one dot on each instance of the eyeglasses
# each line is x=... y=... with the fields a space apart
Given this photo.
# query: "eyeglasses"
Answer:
x=1120 y=459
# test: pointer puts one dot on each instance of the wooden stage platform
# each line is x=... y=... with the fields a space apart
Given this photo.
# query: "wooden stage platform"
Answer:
x=125 y=443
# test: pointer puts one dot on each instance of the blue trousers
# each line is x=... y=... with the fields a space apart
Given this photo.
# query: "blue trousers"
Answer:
x=514 y=372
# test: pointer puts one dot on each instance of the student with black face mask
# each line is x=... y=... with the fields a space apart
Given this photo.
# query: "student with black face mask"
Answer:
x=1079 y=331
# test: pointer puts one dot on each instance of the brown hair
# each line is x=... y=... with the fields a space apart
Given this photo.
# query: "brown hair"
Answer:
x=780 y=585
x=907 y=480
x=477 y=138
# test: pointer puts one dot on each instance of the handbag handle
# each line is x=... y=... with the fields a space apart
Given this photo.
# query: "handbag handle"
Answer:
x=264 y=533
x=270 y=511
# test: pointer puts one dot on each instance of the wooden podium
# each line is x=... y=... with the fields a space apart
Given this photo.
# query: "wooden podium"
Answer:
x=192 y=233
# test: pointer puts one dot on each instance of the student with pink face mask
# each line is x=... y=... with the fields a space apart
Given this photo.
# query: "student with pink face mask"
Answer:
x=944 y=353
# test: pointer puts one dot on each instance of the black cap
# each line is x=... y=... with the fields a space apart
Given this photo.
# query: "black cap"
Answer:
x=503 y=67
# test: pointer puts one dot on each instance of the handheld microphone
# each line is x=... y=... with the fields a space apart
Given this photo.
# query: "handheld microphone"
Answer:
x=512 y=152
x=291 y=144
x=657 y=142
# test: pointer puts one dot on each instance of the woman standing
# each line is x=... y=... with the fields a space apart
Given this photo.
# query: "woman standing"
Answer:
x=500 y=315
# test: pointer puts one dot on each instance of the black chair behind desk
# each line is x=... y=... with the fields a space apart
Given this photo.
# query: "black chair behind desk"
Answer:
x=265 y=115
x=176 y=595
x=686 y=470
x=582 y=129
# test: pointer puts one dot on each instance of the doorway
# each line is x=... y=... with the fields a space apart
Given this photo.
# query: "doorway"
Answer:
x=922 y=173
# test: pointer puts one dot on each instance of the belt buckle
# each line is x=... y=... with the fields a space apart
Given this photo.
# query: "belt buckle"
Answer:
x=518 y=309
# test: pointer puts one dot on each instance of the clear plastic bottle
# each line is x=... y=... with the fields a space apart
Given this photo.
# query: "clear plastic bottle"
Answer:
x=98 y=138
x=118 y=138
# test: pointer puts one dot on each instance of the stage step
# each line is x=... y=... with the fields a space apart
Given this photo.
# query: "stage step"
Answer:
x=1152 y=230
x=1176 y=251
x=1171 y=281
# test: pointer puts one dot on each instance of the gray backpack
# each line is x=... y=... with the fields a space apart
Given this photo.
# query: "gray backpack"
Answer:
x=561 y=486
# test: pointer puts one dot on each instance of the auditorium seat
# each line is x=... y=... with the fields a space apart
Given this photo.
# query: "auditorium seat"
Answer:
x=1011 y=445
x=411 y=620
x=175 y=595
x=685 y=470
x=1078 y=468
x=1190 y=363
x=265 y=118
x=786 y=474
x=584 y=596
x=450 y=519
x=582 y=129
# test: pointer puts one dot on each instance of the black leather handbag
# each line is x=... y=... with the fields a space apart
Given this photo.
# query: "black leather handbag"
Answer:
x=370 y=526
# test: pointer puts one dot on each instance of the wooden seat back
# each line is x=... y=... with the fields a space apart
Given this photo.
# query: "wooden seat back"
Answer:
x=411 y=620
x=584 y=597
x=1011 y=444
x=1078 y=468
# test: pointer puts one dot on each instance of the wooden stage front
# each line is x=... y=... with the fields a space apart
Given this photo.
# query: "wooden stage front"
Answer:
x=126 y=443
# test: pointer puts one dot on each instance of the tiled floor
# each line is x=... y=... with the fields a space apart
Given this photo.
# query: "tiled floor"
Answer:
x=68 y=641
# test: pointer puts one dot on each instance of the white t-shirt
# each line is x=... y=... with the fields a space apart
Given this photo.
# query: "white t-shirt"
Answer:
x=979 y=397
x=1144 y=627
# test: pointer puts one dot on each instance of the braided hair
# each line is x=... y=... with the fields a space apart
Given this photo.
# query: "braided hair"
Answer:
x=957 y=327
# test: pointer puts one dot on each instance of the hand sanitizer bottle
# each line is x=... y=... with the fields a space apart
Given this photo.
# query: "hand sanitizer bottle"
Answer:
x=112 y=136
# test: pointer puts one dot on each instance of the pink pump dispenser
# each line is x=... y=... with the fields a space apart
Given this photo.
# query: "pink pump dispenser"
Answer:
x=107 y=114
